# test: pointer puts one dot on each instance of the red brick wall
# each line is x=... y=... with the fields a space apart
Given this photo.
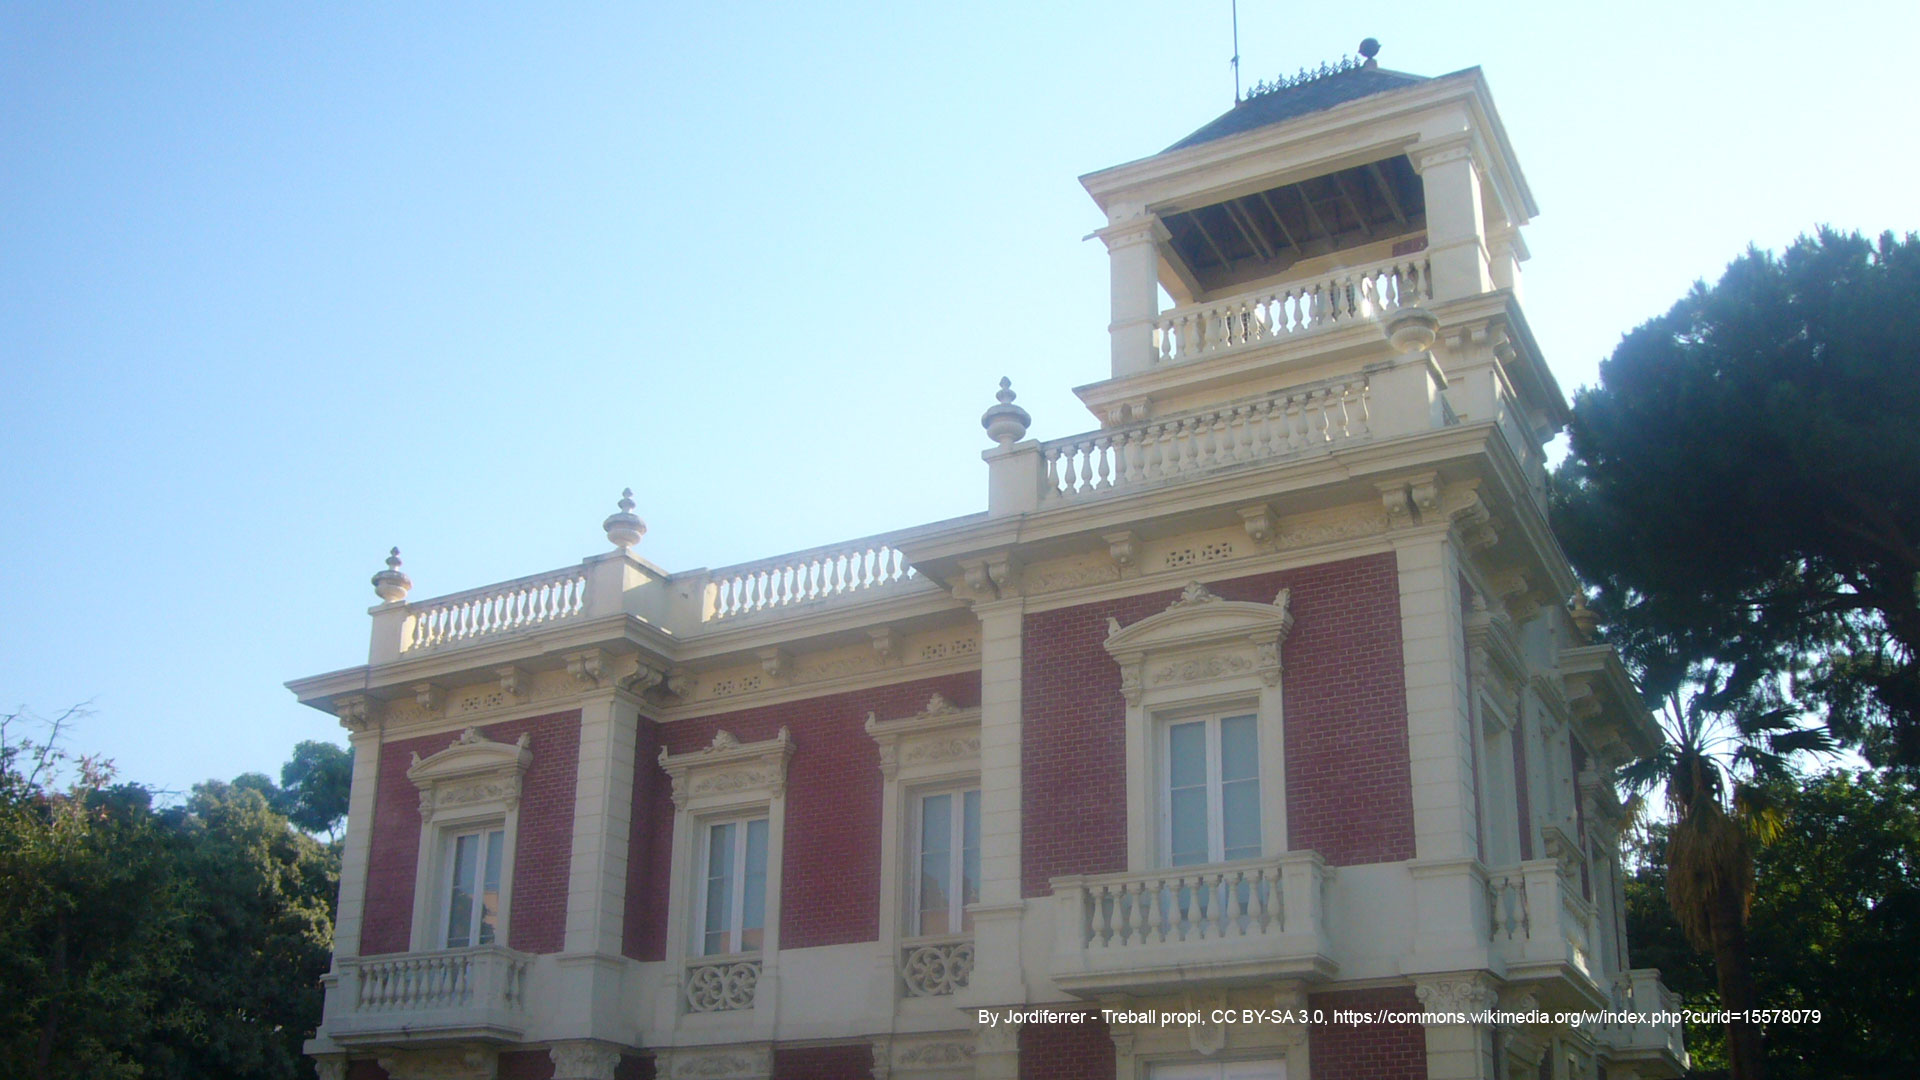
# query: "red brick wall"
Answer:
x=649 y=851
x=851 y=1062
x=525 y=1065
x=365 y=1069
x=1369 y=1052
x=1348 y=785
x=830 y=884
x=537 y=921
x=1066 y=1052
x=634 y=1068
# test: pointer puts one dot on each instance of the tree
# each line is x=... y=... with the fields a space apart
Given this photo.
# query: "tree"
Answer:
x=314 y=784
x=1835 y=926
x=1749 y=470
x=91 y=907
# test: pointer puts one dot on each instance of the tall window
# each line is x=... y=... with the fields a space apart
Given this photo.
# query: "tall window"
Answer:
x=949 y=862
x=734 y=898
x=473 y=905
x=1212 y=808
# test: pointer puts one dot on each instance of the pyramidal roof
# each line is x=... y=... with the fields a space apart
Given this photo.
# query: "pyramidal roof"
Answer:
x=1311 y=91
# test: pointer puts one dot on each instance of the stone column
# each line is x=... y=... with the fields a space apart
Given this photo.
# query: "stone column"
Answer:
x=364 y=735
x=1462 y=1051
x=591 y=964
x=1134 y=260
x=997 y=975
x=1456 y=225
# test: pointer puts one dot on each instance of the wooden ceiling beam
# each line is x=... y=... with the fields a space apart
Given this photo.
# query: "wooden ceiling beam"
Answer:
x=1208 y=237
x=1353 y=204
x=1386 y=189
x=1249 y=229
x=1280 y=221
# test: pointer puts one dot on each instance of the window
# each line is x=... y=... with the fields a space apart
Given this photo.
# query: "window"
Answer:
x=473 y=870
x=1212 y=805
x=734 y=894
x=469 y=815
x=948 y=863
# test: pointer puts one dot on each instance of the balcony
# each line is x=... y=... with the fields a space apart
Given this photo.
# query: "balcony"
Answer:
x=1659 y=1040
x=1233 y=923
x=1290 y=310
x=1540 y=923
x=465 y=995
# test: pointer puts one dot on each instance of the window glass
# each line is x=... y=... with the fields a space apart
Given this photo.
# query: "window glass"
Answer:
x=970 y=861
x=490 y=888
x=1213 y=790
x=947 y=862
x=753 y=916
x=460 y=907
x=735 y=903
x=719 y=923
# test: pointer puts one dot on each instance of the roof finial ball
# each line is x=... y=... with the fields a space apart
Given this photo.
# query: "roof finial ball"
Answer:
x=391 y=585
x=625 y=528
x=1370 y=48
x=1006 y=423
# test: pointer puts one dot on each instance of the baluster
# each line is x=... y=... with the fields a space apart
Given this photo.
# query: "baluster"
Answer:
x=1101 y=447
x=1052 y=456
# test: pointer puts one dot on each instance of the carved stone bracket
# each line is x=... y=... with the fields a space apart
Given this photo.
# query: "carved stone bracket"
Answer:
x=1122 y=547
x=991 y=578
x=583 y=1060
x=1459 y=994
x=587 y=666
x=1259 y=523
x=355 y=712
x=515 y=681
x=885 y=642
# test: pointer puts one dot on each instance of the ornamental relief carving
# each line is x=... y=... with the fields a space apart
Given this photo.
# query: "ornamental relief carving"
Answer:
x=720 y=1066
x=728 y=766
x=936 y=751
x=726 y=783
x=473 y=771
x=1198 y=668
x=934 y=1053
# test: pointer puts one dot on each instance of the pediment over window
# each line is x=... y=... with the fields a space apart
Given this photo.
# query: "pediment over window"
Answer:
x=941 y=736
x=1200 y=637
x=473 y=771
x=730 y=770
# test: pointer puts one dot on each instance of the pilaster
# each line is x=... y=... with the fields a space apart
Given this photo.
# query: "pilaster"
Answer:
x=1432 y=643
x=1459 y=1051
x=590 y=966
x=1456 y=224
x=997 y=966
x=1134 y=257
x=364 y=736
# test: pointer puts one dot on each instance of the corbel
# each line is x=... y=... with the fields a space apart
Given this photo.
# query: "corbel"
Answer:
x=1475 y=523
x=587 y=666
x=515 y=681
x=354 y=712
x=1398 y=504
x=1425 y=491
x=643 y=678
x=884 y=642
x=773 y=660
x=428 y=696
x=680 y=682
x=1259 y=523
x=1122 y=547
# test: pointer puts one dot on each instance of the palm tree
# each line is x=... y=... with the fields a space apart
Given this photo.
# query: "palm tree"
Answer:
x=1726 y=734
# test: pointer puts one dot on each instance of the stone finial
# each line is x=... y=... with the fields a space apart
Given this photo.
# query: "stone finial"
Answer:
x=391 y=585
x=1370 y=48
x=1006 y=423
x=1412 y=329
x=625 y=527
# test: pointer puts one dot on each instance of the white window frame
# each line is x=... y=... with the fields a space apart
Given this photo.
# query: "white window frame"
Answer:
x=959 y=921
x=735 y=929
x=471 y=786
x=727 y=780
x=450 y=862
x=1203 y=656
x=1215 y=781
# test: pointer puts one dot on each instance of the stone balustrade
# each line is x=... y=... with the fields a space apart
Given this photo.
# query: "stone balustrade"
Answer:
x=477 y=992
x=1290 y=310
x=839 y=570
x=494 y=610
x=1288 y=423
x=1641 y=994
x=1538 y=919
x=1260 y=918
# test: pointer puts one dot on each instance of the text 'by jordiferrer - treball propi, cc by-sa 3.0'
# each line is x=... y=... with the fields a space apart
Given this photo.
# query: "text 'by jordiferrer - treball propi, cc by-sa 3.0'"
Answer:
x=1365 y=1017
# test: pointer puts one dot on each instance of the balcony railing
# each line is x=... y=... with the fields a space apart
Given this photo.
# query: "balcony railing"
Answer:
x=1641 y=994
x=936 y=966
x=1290 y=310
x=468 y=993
x=499 y=609
x=1538 y=918
x=1288 y=423
x=1229 y=923
x=839 y=570
x=722 y=983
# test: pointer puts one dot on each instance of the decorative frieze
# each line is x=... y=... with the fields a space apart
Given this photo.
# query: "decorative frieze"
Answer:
x=729 y=770
x=583 y=1060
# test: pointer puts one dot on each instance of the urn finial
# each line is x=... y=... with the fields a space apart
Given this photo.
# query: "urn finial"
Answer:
x=1006 y=423
x=624 y=528
x=391 y=584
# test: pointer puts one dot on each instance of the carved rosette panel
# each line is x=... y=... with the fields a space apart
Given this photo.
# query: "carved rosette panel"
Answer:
x=722 y=987
x=936 y=969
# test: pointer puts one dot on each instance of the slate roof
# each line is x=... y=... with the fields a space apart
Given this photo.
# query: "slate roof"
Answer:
x=1312 y=96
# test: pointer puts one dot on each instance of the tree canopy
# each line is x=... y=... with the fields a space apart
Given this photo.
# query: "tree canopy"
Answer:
x=1747 y=474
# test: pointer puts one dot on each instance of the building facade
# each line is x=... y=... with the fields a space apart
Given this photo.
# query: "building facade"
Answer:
x=1229 y=739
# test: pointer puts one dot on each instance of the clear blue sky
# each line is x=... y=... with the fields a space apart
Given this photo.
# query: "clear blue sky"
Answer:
x=283 y=285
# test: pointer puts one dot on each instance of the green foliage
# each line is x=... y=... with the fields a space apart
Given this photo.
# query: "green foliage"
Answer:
x=141 y=943
x=1746 y=477
x=1835 y=926
x=314 y=784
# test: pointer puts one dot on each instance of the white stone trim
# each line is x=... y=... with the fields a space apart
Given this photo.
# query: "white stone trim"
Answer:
x=1201 y=656
x=473 y=784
